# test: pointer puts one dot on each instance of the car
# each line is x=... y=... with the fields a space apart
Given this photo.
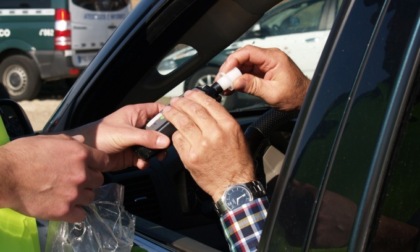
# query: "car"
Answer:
x=298 y=27
x=52 y=40
x=350 y=155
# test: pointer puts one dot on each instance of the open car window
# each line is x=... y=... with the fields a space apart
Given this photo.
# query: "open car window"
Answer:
x=283 y=27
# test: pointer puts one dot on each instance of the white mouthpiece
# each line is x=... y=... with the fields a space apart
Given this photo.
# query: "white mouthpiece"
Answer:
x=226 y=80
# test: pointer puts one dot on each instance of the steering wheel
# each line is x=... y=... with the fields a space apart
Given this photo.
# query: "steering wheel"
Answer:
x=271 y=130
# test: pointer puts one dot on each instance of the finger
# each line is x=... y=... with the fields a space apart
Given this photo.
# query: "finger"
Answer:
x=245 y=58
x=209 y=111
x=145 y=112
x=161 y=155
x=182 y=146
x=86 y=197
x=131 y=136
x=96 y=159
x=79 y=138
x=180 y=118
x=141 y=163
x=94 y=179
x=76 y=214
x=249 y=83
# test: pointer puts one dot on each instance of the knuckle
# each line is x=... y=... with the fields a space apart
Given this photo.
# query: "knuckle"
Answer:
x=72 y=195
x=186 y=124
x=80 y=177
x=62 y=210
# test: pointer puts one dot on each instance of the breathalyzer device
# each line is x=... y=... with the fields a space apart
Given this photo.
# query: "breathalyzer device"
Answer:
x=159 y=123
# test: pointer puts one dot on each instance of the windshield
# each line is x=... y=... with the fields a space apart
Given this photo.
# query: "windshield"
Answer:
x=101 y=5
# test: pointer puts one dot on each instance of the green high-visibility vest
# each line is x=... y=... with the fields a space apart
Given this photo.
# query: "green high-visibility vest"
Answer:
x=18 y=233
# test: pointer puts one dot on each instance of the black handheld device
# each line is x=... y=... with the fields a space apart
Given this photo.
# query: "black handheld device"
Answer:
x=159 y=123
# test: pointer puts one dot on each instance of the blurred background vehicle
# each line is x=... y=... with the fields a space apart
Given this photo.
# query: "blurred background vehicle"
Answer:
x=52 y=40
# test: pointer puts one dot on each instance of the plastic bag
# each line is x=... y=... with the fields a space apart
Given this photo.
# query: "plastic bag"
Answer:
x=107 y=227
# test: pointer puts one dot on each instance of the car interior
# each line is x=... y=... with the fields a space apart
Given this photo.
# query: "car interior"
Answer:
x=169 y=206
x=125 y=72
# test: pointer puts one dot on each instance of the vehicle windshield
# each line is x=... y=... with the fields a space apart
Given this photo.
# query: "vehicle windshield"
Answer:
x=101 y=5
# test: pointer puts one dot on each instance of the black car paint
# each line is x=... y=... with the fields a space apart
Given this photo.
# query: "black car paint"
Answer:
x=363 y=58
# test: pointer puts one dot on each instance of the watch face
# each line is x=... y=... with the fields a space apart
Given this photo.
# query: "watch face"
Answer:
x=237 y=196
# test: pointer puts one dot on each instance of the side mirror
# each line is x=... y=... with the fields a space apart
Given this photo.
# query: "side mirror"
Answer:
x=14 y=119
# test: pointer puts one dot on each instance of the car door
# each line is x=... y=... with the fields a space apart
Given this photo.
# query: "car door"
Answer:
x=349 y=162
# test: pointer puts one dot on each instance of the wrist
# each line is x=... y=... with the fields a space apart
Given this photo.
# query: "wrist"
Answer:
x=246 y=175
x=221 y=188
x=238 y=195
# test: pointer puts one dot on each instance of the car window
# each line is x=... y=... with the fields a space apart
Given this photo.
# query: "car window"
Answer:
x=398 y=218
x=288 y=18
x=302 y=17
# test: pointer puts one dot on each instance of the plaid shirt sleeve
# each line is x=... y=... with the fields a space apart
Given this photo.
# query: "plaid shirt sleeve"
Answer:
x=243 y=226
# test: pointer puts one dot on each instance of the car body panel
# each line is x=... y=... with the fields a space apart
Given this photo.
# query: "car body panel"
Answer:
x=304 y=48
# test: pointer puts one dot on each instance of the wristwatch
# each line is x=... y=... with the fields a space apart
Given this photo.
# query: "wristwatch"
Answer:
x=238 y=195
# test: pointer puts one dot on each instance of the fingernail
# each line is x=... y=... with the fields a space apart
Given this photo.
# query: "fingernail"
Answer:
x=162 y=141
x=166 y=108
x=188 y=92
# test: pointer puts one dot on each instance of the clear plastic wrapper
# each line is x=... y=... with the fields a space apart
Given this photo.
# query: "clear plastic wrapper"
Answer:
x=107 y=227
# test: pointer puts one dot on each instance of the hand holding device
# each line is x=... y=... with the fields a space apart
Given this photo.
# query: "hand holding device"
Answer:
x=159 y=123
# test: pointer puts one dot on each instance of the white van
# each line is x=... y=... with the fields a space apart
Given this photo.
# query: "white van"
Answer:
x=92 y=22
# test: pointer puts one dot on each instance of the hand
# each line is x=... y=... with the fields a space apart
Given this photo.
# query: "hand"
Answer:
x=117 y=132
x=269 y=74
x=210 y=142
x=50 y=177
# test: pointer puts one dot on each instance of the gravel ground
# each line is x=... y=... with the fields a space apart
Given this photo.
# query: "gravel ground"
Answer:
x=39 y=111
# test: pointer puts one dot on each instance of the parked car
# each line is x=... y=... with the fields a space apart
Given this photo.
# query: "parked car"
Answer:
x=52 y=40
x=298 y=27
x=351 y=155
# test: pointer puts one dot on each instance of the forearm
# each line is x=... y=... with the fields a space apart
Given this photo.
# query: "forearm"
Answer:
x=8 y=183
x=88 y=133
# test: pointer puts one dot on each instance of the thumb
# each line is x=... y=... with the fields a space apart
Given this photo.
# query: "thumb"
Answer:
x=147 y=138
x=250 y=84
x=79 y=138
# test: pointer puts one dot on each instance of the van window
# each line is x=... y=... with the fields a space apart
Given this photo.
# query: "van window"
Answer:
x=101 y=5
x=13 y=4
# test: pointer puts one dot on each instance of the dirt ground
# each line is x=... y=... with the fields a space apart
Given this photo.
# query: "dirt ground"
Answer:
x=40 y=109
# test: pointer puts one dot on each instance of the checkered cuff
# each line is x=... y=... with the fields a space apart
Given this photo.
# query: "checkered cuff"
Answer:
x=243 y=226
